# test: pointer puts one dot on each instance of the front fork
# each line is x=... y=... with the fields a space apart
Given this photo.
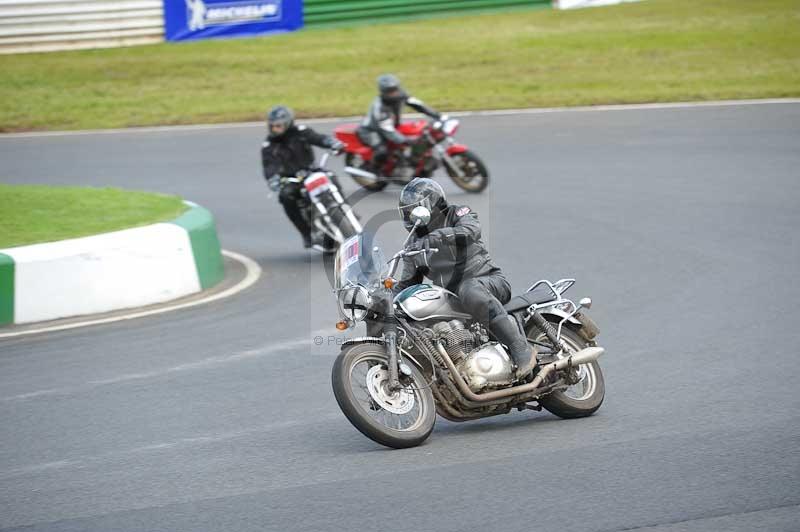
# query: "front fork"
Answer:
x=389 y=330
x=446 y=159
x=330 y=228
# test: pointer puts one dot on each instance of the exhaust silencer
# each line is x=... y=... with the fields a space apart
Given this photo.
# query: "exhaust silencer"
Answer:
x=584 y=356
x=361 y=173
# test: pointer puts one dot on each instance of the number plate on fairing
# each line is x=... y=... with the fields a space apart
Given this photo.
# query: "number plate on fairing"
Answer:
x=348 y=252
x=316 y=184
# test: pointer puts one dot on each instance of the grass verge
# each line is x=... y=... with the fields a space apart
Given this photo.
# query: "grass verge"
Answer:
x=31 y=214
x=657 y=50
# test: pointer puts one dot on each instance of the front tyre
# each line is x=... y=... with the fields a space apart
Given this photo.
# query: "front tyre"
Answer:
x=341 y=221
x=475 y=175
x=395 y=419
x=585 y=396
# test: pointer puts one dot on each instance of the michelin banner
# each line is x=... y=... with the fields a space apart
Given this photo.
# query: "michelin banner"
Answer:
x=203 y=19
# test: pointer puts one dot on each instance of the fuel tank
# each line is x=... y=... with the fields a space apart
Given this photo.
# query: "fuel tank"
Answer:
x=423 y=302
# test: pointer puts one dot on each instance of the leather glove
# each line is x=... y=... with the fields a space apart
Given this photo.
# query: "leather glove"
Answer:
x=417 y=245
x=338 y=147
x=274 y=183
x=436 y=239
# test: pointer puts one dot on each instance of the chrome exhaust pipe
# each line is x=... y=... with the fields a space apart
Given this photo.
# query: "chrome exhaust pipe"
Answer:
x=586 y=355
x=361 y=173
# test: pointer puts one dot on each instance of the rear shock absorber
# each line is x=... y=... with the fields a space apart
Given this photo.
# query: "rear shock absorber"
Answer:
x=543 y=325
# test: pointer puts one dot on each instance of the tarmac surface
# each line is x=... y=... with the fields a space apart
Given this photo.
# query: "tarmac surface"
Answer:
x=682 y=224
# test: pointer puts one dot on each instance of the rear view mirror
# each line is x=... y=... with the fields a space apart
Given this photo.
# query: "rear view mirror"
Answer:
x=420 y=215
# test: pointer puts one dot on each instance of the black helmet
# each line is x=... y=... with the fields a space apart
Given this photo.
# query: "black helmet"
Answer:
x=279 y=119
x=389 y=88
x=421 y=191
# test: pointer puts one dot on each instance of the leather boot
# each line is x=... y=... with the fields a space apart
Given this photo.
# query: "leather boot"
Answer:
x=507 y=331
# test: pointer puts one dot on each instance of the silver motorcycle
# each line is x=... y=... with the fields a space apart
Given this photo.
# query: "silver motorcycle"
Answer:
x=424 y=355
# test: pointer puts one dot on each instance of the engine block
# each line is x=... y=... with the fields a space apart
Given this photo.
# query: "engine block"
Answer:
x=456 y=338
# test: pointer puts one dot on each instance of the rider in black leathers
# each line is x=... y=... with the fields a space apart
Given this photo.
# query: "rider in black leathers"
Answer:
x=462 y=265
x=380 y=124
x=286 y=151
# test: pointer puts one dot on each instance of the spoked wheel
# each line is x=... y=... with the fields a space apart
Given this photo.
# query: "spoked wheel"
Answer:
x=357 y=162
x=585 y=396
x=398 y=419
x=475 y=175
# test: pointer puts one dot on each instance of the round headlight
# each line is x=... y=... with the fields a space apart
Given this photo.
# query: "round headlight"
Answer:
x=354 y=302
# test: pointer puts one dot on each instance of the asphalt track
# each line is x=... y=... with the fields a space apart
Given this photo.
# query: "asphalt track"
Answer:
x=682 y=224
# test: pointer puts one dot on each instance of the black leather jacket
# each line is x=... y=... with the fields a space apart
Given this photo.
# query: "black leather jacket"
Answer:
x=291 y=152
x=384 y=118
x=462 y=254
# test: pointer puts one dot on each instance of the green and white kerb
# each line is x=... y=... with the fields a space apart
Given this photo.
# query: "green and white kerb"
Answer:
x=111 y=271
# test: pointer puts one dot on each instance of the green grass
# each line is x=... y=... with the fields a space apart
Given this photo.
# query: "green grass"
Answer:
x=30 y=214
x=656 y=50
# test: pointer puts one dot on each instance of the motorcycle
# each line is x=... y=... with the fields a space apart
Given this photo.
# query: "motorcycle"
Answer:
x=326 y=211
x=423 y=355
x=432 y=147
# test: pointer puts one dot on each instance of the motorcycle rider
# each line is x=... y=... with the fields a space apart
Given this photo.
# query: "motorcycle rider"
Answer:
x=380 y=124
x=462 y=265
x=286 y=151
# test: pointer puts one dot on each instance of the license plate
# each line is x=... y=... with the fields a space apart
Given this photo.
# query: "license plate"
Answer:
x=316 y=184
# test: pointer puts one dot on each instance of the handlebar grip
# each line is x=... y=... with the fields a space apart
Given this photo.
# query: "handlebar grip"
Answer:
x=418 y=251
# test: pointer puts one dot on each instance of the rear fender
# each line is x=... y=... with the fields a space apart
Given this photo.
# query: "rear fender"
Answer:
x=585 y=325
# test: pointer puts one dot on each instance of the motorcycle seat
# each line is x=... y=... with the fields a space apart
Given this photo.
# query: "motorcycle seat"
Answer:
x=540 y=294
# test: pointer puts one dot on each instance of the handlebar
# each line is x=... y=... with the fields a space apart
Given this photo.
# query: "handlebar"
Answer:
x=302 y=174
x=324 y=158
x=405 y=253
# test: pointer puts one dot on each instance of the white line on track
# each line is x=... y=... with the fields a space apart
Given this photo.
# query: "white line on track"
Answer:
x=264 y=430
x=253 y=272
x=210 y=363
x=498 y=112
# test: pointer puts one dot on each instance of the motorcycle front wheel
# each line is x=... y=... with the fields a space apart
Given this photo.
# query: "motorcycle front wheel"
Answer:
x=399 y=419
x=475 y=176
x=339 y=218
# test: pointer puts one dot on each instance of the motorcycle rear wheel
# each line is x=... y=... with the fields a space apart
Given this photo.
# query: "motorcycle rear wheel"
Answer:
x=476 y=177
x=368 y=184
x=583 y=398
x=359 y=378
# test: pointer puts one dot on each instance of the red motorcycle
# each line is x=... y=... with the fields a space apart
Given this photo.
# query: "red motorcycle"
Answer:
x=432 y=146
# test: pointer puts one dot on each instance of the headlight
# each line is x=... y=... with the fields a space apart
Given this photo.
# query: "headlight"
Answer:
x=354 y=302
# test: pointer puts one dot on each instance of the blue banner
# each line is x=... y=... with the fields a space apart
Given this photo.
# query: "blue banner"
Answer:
x=203 y=19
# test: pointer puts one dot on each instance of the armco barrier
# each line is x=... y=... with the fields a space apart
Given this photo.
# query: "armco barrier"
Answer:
x=47 y=25
x=338 y=11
